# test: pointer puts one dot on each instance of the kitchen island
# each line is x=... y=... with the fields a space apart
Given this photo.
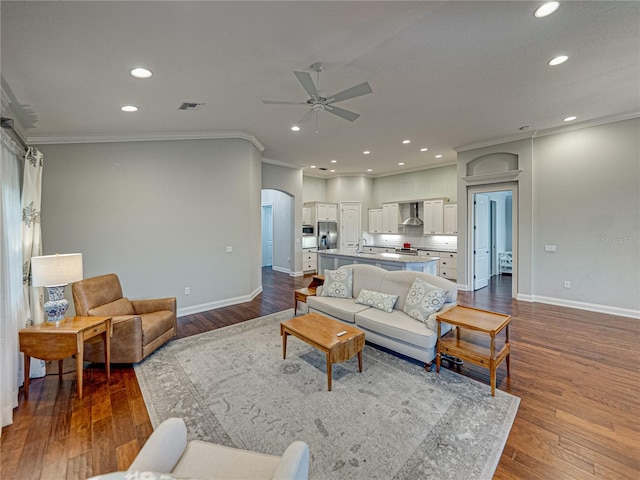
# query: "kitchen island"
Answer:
x=332 y=259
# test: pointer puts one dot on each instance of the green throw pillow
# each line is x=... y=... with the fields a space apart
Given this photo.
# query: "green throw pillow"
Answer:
x=423 y=300
x=338 y=283
x=381 y=301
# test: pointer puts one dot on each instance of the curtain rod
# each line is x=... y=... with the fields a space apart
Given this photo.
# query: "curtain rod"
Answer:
x=7 y=123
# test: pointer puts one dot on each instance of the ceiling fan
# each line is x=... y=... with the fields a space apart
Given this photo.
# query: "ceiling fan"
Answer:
x=319 y=101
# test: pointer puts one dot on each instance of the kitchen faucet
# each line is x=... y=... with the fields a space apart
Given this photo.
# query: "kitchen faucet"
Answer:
x=359 y=245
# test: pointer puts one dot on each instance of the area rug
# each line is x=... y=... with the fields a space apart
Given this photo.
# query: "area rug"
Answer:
x=393 y=420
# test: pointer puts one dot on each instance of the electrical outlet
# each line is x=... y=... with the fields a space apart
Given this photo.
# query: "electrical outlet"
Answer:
x=549 y=248
x=229 y=249
x=567 y=284
x=187 y=290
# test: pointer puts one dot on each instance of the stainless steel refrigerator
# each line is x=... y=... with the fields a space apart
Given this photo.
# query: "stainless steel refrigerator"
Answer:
x=327 y=235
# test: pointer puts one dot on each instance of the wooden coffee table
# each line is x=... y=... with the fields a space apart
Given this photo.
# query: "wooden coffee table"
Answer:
x=476 y=339
x=321 y=332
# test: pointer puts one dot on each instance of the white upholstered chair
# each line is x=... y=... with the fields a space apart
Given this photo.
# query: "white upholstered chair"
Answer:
x=167 y=451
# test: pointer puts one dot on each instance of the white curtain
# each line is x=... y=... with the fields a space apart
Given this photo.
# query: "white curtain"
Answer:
x=12 y=313
x=32 y=244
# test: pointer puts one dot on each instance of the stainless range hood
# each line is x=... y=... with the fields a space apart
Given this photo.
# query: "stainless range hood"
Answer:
x=413 y=216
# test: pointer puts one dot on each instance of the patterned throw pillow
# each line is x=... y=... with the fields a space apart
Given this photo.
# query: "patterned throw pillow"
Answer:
x=338 y=283
x=381 y=301
x=423 y=300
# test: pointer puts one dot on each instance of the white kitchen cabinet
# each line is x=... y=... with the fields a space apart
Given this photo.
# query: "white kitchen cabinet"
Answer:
x=448 y=265
x=375 y=220
x=306 y=216
x=433 y=216
x=451 y=218
x=309 y=260
x=391 y=217
x=327 y=212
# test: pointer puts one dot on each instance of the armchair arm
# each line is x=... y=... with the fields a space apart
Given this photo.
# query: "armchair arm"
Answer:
x=154 y=305
x=294 y=464
x=163 y=449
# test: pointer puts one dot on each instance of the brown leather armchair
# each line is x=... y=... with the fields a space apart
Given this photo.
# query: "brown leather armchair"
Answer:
x=139 y=326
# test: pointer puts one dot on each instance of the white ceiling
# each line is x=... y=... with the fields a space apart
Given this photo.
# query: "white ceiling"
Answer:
x=443 y=74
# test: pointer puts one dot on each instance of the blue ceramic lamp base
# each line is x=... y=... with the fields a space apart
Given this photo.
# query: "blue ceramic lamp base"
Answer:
x=57 y=305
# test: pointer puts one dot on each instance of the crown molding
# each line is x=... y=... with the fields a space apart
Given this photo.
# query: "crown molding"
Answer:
x=142 y=137
x=281 y=163
x=549 y=131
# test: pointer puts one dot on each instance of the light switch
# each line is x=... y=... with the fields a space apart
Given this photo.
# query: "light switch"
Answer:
x=229 y=249
x=549 y=248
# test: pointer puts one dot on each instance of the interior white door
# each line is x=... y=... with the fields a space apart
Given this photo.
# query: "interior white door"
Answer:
x=267 y=235
x=350 y=226
x=481 y=245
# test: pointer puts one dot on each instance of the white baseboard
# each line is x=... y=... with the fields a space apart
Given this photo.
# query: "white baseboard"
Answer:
x=280 y=269
x=592 y=307
x=203 y=307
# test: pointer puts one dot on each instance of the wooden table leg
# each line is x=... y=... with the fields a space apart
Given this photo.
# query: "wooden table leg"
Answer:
x=284 y=344
x=60 y=362
x=492 y=374
x=329 y=371
x=107 y=352
x=79 y=365
x=360 y=361
x=27 y=367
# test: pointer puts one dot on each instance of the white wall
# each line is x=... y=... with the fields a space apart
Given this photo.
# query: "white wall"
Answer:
x=430 y=183
x=159 y=214
x=314 y=189
x=283 y=218
x=587 y=203
x=578 y=190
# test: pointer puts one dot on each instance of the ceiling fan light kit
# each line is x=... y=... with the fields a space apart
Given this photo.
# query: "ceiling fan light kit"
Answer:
x=318 y=101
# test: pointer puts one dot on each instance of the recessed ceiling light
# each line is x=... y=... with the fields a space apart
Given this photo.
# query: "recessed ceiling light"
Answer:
x=438 y=156
x=334 y=161
x=547 y=9
x=366 y=152
x=570 y=119
x=558 y=60
x=369 y=169
x=332 y=170
x=400 y=163
x=141 y=72
x=129 y=108
x=424 y=149
x=406 y=141
x=313 y=166
x=295 y=128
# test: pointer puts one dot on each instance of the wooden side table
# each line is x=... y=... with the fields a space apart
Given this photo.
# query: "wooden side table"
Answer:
x=50 y=342
x=301 y=294
x=476 y=339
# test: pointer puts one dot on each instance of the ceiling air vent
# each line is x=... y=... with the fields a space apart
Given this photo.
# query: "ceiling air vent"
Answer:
x=323 y=169
x=189 y=106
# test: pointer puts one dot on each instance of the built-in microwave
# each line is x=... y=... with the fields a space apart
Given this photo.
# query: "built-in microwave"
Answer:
x=307 y=229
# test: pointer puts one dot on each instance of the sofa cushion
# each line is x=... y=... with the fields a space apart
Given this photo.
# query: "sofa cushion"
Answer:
x=122 y=306
x=423 y=300
x=155 y=324
x=397 y=325
x=338 y=283
x=379 y=300
x=344 y=309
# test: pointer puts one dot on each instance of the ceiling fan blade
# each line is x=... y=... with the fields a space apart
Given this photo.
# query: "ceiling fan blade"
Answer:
x=278 y=102
x=307 y=83
x=342 y=113
x=306 y=117
x=357 y=91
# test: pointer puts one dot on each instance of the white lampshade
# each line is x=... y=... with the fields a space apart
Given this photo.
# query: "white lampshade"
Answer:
x=55 y=270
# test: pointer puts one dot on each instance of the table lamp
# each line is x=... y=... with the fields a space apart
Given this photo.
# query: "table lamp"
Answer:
x=55 y=272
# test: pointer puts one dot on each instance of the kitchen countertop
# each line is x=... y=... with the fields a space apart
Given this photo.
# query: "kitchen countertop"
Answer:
x=381 y=257
x=422 y=249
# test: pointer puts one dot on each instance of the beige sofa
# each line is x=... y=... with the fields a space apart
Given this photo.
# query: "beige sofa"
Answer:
x=396 y=331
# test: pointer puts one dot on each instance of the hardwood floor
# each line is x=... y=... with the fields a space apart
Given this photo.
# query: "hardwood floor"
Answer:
x=576 y=372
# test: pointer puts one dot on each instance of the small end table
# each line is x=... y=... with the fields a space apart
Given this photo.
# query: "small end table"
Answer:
x=50 y=342
x=301 y=294
x=475 y=339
